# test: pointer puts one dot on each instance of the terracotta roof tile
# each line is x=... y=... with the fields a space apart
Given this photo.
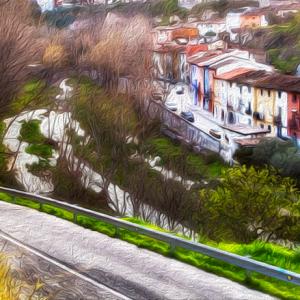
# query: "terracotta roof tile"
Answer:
x=233 y=74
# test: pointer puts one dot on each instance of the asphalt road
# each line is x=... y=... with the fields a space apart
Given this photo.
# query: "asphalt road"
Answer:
x=134 y=272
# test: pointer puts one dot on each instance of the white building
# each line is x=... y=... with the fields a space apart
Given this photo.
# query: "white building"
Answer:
x=233 y=20
x=233 y=101
x=211 y=26
x=264 y=3
x=46 y=4
x=281 y=104
x=190 y=3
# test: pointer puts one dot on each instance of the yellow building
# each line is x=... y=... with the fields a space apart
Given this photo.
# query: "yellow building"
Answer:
x=264 y=109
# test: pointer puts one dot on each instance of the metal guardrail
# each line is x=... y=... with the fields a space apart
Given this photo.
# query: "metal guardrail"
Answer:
x=174 y=241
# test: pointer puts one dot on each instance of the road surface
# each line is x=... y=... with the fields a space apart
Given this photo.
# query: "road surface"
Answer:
x=134 y=272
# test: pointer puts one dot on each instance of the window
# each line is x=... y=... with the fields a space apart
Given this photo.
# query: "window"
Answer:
x=279 y=94
x=262 y=126
x=188 y=79
x=241 y=89
x=231 y=117
x=261 y=92
x=269 y=93
x=294 y=98
x=249 y=89
x=231 y=84
x=269 y=128
x=226 y=139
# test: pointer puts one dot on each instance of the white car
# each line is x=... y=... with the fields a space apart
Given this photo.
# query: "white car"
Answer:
x=172 y=105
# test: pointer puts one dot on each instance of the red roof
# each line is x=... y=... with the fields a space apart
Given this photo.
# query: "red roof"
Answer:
x=185 y=32
x=193 y=49
x=233 y=74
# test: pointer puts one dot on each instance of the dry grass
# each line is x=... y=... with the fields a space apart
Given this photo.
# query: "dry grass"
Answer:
x=12 y=288
x=54 y=56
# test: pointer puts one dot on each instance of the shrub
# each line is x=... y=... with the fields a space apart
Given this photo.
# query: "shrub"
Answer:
x=280 y=154
x=55 y=56
x=31 y=133
x=250 y=204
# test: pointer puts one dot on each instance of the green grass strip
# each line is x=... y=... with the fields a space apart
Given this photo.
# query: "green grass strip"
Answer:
x=145 y=242
x=27 y=203
x=94 y=224
x=58 y=212
x=19 y=201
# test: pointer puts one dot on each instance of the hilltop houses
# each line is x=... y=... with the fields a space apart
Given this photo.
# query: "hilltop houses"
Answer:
x=239 y=93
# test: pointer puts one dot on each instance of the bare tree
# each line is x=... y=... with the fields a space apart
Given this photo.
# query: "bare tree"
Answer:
x=17 y=49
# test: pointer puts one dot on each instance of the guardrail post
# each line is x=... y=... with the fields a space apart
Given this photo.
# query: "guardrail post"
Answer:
x=248 y=272
x=172 y=249
x=14 y=199
x=75 y=217
x=117 y=232
x=41 y=206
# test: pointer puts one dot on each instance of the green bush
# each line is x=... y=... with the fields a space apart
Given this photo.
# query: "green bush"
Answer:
x=283 y=155
x=248 y=204
x=41 y=150
x=31 y=133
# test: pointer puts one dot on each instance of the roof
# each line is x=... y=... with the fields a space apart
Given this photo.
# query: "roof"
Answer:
x=196 y=60
x=233 y=74
x=211 y=21
x=185 y=32
x=167 y=27
x=252 y=13
x=238 y=10
x=193 y=49
x=212 y=57
x=292 y=6
x=250 y=78
x=171 y=47
x=245 y=130
x=276 y=81
x=248 y=142
x=267 y=80
x=230 y=60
